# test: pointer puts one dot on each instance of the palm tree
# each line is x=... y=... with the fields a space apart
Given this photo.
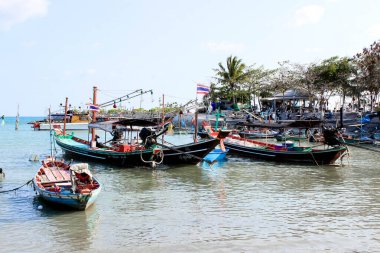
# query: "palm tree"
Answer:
x=232 y=76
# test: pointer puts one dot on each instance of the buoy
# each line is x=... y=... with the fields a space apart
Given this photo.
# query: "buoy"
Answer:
x=34 y=158
x=40 y=207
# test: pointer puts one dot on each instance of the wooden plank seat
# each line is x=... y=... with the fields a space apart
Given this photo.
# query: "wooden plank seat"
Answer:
x=56 y=173
x=53 y=174
x=43 y=178
x=64 y=184
x=55 y=182
x=49 y=174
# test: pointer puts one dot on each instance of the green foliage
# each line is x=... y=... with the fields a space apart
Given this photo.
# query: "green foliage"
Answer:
x=236 y=82
x=231 y=76
x=113 y=111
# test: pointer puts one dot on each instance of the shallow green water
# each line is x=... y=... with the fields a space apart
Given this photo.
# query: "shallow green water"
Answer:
x=239 y=206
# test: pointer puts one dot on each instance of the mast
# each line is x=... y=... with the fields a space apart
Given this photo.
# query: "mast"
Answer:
x=51 y=139
x=17 y=117
x=196 y=123
x=93 y=115
x=163 y=115
x=163 y=109
x=64 y=119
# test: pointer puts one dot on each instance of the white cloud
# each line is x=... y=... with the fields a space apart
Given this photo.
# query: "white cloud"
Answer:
x=225 y=47
x=374 y=30
x=310 y=14
x=17 y=11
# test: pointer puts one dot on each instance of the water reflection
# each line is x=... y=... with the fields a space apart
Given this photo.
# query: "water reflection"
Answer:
x=240 y=205
x=73 y=228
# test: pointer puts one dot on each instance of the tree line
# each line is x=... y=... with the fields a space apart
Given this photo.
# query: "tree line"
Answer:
x=355 y=76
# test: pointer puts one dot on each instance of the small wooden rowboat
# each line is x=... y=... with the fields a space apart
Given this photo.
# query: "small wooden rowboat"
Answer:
x=66 y=186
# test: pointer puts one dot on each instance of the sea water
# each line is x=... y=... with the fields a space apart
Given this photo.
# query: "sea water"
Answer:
x=239 y=205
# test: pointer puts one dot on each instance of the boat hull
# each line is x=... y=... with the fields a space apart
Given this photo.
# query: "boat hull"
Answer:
x=289 y=138
x=67 y=199
x=258 y=135
x=358 y=141
x=216 y=155
x=183 y=154
x=317 y=157
x=69 y=126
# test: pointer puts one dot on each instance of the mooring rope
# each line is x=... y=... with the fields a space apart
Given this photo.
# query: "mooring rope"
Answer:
x=312 y=155
x=152 y=162
x=366 y=148
x=15 y=189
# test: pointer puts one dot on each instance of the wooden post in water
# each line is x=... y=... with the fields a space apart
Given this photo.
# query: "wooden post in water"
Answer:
x=163 y=108
x=64 y=119
x=17 y=117
x=163 y=115
x=51 y=137
x=93 y=116
x=196 y=122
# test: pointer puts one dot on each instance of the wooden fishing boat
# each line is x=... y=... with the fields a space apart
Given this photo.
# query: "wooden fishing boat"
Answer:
x=281 y=137
x=281 y=153
x=258 y=134
x=74 y=121
x=143 y=149
x=353 y=140
x=63 y=185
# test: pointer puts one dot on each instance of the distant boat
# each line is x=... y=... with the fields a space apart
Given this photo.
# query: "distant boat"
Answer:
x=286 y=137
x=74 y=121
x=257 y=134
x=17 y=118
x=357 y=140
x=63 y=185
x=376 y=136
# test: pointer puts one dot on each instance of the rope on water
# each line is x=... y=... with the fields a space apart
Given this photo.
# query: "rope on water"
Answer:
x=15 y=189
x=362 y=147
x=312 y=155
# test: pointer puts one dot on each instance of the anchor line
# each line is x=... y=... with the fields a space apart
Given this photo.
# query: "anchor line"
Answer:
x=15 y=189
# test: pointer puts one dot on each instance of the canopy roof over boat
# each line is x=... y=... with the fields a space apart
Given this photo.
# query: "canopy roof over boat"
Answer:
x=124 y=124
x=286 y=124
x=289 y=95
x=135 y=122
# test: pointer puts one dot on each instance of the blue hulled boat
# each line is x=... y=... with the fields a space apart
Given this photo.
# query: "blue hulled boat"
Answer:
x=216 y=155
x=63 y=185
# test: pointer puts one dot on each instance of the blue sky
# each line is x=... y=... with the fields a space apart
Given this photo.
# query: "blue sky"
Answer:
x=53 y=49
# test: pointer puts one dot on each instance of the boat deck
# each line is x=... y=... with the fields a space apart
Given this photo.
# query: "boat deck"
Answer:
x=74 y=143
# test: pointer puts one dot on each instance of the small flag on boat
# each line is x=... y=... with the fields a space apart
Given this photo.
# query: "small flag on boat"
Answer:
x=203 y=89
x=94 y=108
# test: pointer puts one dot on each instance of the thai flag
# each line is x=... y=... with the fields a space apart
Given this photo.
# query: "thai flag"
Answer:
x=203 y=89
x=94 y=108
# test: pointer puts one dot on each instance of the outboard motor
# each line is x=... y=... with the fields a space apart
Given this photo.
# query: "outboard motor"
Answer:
x=330 y=136
x=117 y=135
x=147 y=136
